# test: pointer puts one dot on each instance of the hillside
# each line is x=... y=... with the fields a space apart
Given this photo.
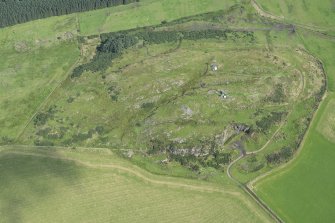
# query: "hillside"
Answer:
x=168 y=111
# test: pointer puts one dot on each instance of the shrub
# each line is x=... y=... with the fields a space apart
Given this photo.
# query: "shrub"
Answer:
x=266 y=122
x=278 y=157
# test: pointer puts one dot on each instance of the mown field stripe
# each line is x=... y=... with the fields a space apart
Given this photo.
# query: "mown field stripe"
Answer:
x=125 y=169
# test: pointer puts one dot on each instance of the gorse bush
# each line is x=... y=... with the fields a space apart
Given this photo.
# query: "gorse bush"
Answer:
x=278 y=157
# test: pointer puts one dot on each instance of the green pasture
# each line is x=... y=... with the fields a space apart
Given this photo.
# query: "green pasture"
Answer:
x=302 y=191
x=166 y=92
x=145 y=13
x=158 y=75
x=317 y=14
x=296 y=122
x=38 y=185
x=36 y=57
x=322 y=48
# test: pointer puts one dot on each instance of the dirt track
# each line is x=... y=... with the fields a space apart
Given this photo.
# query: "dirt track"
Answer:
x=125 y=169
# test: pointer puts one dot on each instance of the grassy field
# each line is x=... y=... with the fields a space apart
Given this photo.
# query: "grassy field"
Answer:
x=163 y=81
x=167 y=93
x=284 y=135
x=326 y=125
x=308 y=12
x=39 y=185
x=62 y=186
x=145 y=13
x=323 y=49
x=302 y=191
x=174 y=107
x=37 y=56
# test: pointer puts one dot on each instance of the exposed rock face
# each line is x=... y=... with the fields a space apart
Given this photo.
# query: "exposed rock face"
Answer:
x=21 y=46
x=65 y=36
x=241 y=128
x=129 y=154
x=187 y=111
x=194 y=151
x=222 y=138
x=197 y=149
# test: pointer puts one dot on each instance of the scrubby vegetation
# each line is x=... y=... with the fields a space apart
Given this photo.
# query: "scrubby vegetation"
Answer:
x=193 y=155
x=252 y=164
x=182 y=98
x=265 y=124
x=114 y=44
x=277 y=157
x=42 y=117
x=191 y=46
x=177 y=136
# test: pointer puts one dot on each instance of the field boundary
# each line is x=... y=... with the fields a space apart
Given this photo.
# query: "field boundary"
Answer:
x=291 y=161
x=248 y=190
x=45 y=101
x=315 y=29
x=249 y=187
x=311 y=123
x=124 y=169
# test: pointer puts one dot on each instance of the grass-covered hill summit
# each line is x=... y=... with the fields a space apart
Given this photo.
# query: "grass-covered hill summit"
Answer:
x=168 y=111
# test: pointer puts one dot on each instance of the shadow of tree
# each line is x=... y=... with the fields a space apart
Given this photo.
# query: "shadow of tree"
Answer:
x=24 y=179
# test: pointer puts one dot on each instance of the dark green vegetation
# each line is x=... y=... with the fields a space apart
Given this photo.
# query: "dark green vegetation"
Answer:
x=185 y=97
x=113 y=44
x=13 y=12
x=36 y=58
x=302 y=191
x=179 y=108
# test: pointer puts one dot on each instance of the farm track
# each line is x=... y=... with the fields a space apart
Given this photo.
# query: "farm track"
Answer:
x=249 y=191
x=314 y=29
x=131 y=171
x=251 y=183
x=269 y=141
x=46 y=100
x=248 y=188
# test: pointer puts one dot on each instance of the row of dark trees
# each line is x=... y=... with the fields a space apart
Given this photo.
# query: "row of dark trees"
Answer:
x=106 y=51
x=19 y=11
x=113 y=44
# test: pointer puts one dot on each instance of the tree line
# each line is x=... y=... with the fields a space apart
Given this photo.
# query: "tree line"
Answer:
x=108 y=50
x=19 y=11
x=113 y=44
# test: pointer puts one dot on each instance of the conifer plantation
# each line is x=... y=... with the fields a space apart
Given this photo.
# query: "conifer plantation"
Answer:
x=19 y=11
